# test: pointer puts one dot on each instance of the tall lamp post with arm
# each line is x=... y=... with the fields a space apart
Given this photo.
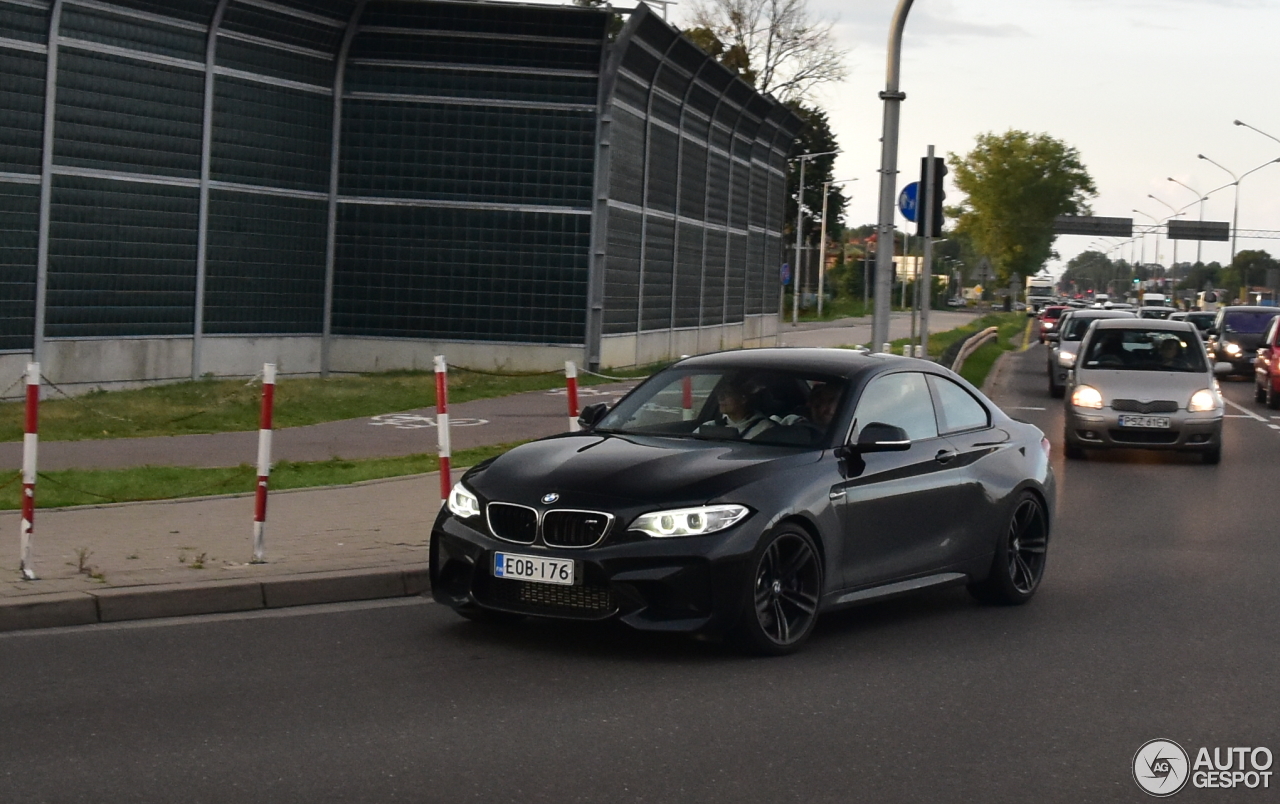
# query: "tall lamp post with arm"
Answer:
x=1235 y=214
x=795 y=272
x=1176 y=213
x=822 y=242
x=1202 y=198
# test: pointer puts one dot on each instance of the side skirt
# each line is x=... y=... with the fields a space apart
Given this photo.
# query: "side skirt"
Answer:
x=842 y=599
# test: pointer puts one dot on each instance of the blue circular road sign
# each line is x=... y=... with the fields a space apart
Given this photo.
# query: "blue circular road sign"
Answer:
x=784 y=273
x=907 y=200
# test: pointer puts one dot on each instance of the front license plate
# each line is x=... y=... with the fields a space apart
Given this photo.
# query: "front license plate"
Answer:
x=533 y=568
x=1158 y=422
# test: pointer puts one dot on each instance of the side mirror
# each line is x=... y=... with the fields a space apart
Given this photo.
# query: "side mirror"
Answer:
x=1211 y=331
x=880 y=437
x=592 y=414
x=1052 y=336
x=1222 y=369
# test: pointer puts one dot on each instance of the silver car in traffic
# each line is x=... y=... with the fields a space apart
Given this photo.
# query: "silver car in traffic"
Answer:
x=1064 y=344
x=1144 y=384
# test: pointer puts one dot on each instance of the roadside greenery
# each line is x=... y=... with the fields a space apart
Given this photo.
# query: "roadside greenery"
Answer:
x=1010 y=333
x=219 y=406
x=98 y=486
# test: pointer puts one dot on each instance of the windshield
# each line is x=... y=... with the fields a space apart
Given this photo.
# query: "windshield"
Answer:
x=1202 y=320
x=1075 y=328
x=1144 y=350
x=1053 y=313
x=1249 y=323
x=762 y=406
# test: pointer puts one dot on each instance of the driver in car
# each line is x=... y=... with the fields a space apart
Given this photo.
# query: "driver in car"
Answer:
x=1171 y=355
x=737 y=410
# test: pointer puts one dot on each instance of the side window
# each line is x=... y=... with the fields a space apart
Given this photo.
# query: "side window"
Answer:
x=901 y=400
x=957 y=409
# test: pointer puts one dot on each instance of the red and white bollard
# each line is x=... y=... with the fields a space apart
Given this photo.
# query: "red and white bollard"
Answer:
x=264 y=462
x=686 y=399
x=571 y=388
x=29 y=442
x=442 y=426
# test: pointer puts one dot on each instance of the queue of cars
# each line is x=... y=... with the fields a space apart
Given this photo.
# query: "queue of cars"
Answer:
x=1150 y=381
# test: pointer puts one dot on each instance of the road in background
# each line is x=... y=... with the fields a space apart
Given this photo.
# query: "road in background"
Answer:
x=1157 y=618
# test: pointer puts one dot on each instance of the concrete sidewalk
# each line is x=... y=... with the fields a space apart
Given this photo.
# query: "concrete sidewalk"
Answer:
x=161 y=559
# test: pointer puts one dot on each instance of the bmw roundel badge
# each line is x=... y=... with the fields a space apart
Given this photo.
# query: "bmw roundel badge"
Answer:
x=550 y=497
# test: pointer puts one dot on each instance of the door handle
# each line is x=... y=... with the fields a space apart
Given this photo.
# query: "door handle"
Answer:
x=944 y=456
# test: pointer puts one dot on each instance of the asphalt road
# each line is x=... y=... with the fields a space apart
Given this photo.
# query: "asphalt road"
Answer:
x=1157 y=618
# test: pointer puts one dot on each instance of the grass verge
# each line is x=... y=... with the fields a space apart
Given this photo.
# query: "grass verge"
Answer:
x=97 y=486
x=219 y=406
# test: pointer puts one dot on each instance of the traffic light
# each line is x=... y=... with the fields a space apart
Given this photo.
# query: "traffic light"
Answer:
x=931 y=195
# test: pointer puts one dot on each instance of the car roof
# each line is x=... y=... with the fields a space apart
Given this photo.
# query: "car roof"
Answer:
x=1102 y=314
x=1250 y=308
x=838 y=362
x=1146 y=323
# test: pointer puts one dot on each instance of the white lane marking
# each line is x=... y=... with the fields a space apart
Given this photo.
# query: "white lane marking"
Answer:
x=1235 y=416
x=1025 y=407
x=1245 y=411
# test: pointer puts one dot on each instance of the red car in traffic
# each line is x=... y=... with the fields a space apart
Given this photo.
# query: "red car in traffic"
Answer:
x=1266 y=369
x=1047 y=321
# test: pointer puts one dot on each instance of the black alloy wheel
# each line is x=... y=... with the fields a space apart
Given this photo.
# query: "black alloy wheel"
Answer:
x=786 y=586
x=1018 y=564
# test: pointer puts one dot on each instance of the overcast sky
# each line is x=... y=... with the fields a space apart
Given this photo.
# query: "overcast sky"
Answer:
x=1140 y=87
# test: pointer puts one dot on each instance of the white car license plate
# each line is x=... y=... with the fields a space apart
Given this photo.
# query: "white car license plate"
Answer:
x=1158 y=422
x=533 y=568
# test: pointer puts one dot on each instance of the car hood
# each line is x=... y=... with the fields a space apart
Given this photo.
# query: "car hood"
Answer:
x=1146 y=386
x=596 y=468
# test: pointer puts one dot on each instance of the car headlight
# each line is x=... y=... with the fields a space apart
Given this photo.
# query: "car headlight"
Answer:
x=1203 y=401
x=1231 y=348
x=1086 y=396
x=462 y=503
x=689 y=521
x=1046 y=325
x=1066 y=359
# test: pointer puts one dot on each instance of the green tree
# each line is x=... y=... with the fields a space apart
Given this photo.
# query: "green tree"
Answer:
x=1015 y=184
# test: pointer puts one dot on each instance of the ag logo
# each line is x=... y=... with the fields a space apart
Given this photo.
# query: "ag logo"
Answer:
x=1160 y=767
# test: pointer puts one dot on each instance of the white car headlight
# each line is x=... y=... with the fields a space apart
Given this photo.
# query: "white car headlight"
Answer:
x=462 y=503
x=1203 y=401
x=689 y=521
x=1232 y=348
x=1066 y=359
x=1086 y=396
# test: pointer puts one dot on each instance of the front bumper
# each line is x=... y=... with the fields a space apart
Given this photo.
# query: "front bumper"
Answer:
x=1101 y=428
x=689 y=584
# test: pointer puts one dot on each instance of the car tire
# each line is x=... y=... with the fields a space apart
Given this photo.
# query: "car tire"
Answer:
x=1213 y=456
x=783 y=589
x=1018 y=564
x=1074 y=452
x=1259 y=392
x=1273 y=399
x=1057 y=391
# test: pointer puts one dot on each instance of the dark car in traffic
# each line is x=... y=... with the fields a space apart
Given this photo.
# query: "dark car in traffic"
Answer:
x=1235 y=337
x=745 y=493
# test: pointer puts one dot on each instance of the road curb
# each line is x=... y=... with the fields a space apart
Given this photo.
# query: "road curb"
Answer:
x=215 y=597
x=996 y=375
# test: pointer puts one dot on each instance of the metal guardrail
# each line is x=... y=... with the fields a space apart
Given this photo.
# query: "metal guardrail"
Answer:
x=972 y=345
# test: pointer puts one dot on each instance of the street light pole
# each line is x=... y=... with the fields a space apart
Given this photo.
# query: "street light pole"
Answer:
x=795 y=273
x=822 y=242
x=1235 y=214
x=1202 y=198
x=1176 y=213
x=892 y=97
x=1255 y=128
